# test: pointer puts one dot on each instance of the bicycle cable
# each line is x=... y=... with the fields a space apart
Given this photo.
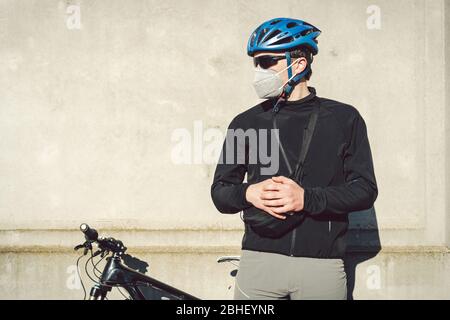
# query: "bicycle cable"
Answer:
x=95 y=266
x=79 y=276
x=87 y=272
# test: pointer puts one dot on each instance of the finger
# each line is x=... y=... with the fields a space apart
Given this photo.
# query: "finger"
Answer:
x=267 y=181
x=276 y=194
x=282 y=210
x=270 y=195
x=275 y=203
x=279 y=179
x=272 y=187
x=282 y=179
x=272 y=213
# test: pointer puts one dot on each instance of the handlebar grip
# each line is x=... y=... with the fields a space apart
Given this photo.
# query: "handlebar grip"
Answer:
x=90 y=234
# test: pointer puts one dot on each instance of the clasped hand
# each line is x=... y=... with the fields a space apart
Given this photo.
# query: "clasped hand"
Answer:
x=276 y=196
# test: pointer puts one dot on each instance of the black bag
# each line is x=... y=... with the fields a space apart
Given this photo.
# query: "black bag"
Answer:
x=267 y=225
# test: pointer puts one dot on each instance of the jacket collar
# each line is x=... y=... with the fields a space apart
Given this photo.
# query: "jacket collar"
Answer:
x=309 y=97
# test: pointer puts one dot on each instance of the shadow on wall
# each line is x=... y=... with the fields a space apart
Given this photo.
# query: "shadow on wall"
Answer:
x=363 y=241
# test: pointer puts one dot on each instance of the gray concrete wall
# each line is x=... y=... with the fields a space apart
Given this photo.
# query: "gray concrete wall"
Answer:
x=91 y=105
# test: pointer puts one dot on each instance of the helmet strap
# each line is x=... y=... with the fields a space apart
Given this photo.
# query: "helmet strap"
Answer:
x=295 y=80
x=289 y=61
x=289 y=87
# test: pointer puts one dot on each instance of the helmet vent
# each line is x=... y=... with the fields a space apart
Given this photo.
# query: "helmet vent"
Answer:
x=283 y=41
x=274 y=34
x=291 y=25
x=306 y=32
x=261 y=35
x=275 y=22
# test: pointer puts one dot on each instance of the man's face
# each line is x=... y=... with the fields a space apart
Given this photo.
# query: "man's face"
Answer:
x=299 y=64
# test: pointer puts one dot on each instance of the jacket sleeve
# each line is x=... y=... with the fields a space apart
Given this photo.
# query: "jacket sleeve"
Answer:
x=360 y=190
x=228 y=191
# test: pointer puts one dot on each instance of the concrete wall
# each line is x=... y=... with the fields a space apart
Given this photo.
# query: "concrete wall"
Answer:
x=447 y=103
x=93 y=96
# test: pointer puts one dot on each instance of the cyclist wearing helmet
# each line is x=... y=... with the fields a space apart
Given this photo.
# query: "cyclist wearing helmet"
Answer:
x=332 y=177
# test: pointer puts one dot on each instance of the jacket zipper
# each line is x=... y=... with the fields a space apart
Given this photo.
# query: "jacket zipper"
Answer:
x=329 y=226
x=291 y=251
x=283 y=152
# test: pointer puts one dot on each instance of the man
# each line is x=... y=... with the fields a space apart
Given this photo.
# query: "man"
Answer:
x=337 y=173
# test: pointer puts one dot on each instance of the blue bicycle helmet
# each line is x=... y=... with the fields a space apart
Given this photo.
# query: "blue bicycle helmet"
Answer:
x=283 y=34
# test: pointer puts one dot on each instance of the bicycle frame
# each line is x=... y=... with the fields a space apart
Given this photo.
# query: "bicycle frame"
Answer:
x=138 y=285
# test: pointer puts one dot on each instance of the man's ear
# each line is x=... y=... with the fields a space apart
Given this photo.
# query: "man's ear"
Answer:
x=300 y=65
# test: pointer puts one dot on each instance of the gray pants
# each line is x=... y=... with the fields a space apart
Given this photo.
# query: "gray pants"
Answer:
x=263 y=275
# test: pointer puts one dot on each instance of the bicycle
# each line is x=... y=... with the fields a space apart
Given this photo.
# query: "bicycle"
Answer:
x=118 y=275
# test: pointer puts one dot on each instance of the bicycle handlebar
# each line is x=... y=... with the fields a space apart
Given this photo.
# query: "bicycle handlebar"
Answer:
x=109 y=244
x=90 y=234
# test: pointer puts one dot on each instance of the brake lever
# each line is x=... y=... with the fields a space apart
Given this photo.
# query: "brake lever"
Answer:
x=87 y=246
x=97 y=253
x=78 y=247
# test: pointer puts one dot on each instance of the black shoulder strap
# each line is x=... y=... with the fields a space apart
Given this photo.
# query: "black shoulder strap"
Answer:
x=307 y=137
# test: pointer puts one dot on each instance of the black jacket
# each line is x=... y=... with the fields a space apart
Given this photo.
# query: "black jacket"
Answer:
x=339 y=175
